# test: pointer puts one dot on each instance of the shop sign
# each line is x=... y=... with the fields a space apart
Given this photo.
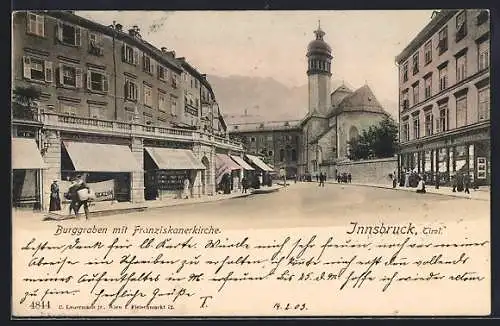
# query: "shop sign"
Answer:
x=481 y=167
x=104 y=190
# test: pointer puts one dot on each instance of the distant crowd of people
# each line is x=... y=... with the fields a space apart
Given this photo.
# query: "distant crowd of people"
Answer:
x=410 y=178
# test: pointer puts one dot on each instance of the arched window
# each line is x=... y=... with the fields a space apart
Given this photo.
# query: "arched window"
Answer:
x=282 y=155
x=353 y=133
x=294 y=155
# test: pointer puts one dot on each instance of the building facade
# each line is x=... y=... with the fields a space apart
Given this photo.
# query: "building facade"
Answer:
x=444 y=86
x=102 y=85
x=277 y=142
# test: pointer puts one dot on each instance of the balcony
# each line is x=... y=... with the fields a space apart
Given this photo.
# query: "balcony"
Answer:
x=125 y=129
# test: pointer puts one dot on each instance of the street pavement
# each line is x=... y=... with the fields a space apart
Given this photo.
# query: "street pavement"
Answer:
x=302 y=205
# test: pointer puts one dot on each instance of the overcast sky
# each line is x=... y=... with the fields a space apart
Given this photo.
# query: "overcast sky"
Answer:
x=273 y=43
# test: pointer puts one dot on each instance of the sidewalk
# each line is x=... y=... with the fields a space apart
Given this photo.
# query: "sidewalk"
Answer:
x=107 y=208
x=483 y=193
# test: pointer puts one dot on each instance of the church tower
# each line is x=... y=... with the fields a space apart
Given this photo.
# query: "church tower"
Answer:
x=319 y=58
x=319 y=55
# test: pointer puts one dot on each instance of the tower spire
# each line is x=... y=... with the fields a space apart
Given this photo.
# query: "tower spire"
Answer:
x=319 y=32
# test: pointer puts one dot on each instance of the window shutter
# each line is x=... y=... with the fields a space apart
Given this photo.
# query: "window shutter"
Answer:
x=152 y=70
x=136 y=56
x=126 y=89
x=61 y=74
x=28 y=20
x=79 y=78
x=123 y=52
x=49 y=72
x=105 y=83
x=89 y=80
x=137 y=93
x=78 y=36
x=59 y=31
x=27 y=67
x=40 y=22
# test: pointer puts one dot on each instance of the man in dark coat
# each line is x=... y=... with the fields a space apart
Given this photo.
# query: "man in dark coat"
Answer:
x=76 y=203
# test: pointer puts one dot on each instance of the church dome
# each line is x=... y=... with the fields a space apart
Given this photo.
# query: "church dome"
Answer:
x=319 y=46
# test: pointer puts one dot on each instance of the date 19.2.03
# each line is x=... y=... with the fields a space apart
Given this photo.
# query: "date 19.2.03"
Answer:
x=289 y=306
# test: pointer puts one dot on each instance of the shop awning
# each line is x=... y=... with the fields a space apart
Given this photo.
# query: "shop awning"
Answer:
x=242 y=163
x=224 y=164
x=224 y=160
x=90 y=157
x=174 y=159
x=26 y=155
x=260 y=164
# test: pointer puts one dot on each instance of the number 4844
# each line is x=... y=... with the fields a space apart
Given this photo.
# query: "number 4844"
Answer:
x=40 y=305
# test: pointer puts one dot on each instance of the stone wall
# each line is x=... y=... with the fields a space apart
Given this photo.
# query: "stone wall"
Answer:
x=368 y=171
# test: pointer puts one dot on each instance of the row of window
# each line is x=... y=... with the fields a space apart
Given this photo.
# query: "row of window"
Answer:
x=448 y=161
x=269 y=138
x=71 y=35
x=319 y=64
x=290 y=154
x=69 y=75
x=442 y=121
x=461 y=74
x=461 y=32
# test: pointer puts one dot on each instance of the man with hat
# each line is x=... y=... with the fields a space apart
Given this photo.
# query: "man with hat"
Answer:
x=76 y=203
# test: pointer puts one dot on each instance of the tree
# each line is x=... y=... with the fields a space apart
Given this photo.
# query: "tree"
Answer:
x=24 y=105
x=377 y=141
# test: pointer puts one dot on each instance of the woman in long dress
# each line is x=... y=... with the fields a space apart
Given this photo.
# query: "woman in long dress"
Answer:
x=55 y=200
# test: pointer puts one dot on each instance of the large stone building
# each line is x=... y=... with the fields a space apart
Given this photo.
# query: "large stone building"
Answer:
x=444 y=85
x=112 y=107
x=277 y=142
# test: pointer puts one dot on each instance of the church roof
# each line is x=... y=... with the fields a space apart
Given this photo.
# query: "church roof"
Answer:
x=362 y=99
x=342 y=89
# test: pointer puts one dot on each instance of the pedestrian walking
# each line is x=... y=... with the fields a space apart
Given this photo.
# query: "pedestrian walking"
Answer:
x=324 y=179
x=437 y=179
x=185 y=190
x=244 y=185
x=466 y=184
x=394 y=179
x=407 y=179
x=55 y=200
x=349 y=177
x=78 y=199
x=421 y=185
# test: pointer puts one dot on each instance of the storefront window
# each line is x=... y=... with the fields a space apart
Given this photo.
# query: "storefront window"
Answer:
x=414 y=161
x=450 y=161
x=442 y=168
x=460 y=159
x=471 y=162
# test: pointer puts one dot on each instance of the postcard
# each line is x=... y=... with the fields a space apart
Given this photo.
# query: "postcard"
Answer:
x=251 y=163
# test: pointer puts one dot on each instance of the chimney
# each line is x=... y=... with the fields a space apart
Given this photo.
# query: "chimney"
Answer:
x=172 y=54
x=164 y=50
x=119 y=27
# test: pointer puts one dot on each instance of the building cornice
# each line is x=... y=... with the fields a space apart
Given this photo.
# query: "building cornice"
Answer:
x=430 y=29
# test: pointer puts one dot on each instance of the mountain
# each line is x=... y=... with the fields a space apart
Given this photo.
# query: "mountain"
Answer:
x=266 y=98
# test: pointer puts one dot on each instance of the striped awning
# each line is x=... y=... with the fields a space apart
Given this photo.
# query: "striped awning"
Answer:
x=259 y=163
x=174 y=159
x=224 y=164
x=26 y=155
x=241 y=162
x=92 y=157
